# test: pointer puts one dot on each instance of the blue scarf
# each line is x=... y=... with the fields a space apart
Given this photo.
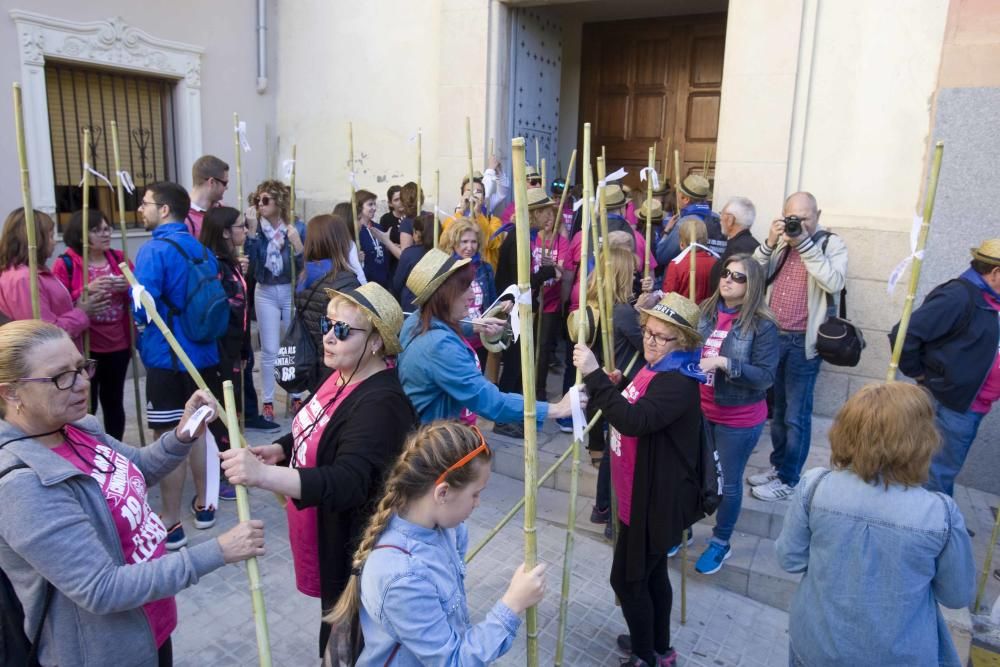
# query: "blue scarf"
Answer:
x=685 y=362
x=475 y=260
x=978 y=281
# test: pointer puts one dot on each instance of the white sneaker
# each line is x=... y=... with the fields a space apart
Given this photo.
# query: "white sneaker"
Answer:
x=773 y=490
x=762 y=478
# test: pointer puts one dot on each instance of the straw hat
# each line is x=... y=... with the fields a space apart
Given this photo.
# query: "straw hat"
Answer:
x=662 y=190
x=530 y=171
x=677 y=311
x=506 y=336
x=988 y=251
x=696 y=186
x=432 y=270
x=593 y=319
x=657 y=210
x=614 y=197
x=381 y=308
x=538 y=199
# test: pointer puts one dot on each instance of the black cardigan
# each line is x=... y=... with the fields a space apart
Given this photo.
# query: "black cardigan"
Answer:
x=358 y=446
x=506 y=274
x=667 y=421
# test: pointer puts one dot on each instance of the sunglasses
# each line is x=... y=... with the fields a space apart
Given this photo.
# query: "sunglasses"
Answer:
x=225 y=183
x=263 y=200
x=735 y=276
x=483 y=447
x=341 y=330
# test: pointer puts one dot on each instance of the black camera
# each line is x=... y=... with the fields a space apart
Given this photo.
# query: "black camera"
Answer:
x=793 y=225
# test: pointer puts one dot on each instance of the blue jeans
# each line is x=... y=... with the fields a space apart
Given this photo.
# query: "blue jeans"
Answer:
x=958 y=431
x=734 y=444
x=791 y=419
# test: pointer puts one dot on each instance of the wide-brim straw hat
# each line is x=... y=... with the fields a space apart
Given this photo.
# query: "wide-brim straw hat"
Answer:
x=614 y=196
x=988 y=251
x=696 y=186
x=678 y=311
x=538 y=199
x=381 y=308
x=657 y=210
x=530 y=171
x=662 y=190
x=593 y=319
x=430 y=272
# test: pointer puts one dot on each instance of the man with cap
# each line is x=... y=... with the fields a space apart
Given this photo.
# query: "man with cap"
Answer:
x=692 y=199
x=736 y=218
x=952 y=347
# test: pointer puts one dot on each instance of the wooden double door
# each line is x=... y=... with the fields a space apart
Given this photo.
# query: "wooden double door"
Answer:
x=648 y=80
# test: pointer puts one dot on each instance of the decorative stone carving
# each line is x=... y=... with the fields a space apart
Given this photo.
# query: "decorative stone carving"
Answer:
x=33 y=47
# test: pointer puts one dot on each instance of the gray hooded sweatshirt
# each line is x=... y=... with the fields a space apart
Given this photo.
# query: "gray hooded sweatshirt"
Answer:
x=55 y=525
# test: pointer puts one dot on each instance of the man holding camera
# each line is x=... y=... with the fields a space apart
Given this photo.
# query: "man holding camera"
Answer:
x=805 y=266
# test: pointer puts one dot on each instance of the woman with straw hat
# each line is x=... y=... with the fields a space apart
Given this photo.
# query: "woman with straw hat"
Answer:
x=342 y=442
x=655 y=446
x=438 y=368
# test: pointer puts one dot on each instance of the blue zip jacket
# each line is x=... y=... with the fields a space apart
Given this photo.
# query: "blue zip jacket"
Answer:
x=753 y=360
x=257 y=252
x=439 y=374
x=163 y=272
x=413 y=595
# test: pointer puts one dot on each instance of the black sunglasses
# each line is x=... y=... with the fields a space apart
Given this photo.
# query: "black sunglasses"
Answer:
x=341 y=330
x=225 y=183
x=736 y=276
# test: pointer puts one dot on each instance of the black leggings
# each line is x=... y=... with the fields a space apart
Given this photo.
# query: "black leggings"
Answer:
x=165 y=655
x=108 y=385
x=645 y=603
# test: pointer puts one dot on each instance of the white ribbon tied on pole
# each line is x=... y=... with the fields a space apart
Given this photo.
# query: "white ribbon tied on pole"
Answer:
x=679 y=258
x=97 y=174
x=288 y=166
x=653 y=177
x=137 y=291
x=413 y=137
x=897 y=273
x=576 y=410
x=611 y=178
x=212 y=465
x=126 y=180
x=353 y=178
x=579 y=203
x=241 y=131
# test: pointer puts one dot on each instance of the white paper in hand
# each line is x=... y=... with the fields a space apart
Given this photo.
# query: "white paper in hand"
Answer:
x=212 y=466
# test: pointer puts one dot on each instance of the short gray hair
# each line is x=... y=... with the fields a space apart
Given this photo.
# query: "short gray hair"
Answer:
x=743 y=210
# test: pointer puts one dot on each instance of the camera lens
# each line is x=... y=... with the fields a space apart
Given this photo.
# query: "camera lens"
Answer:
x=793 y=225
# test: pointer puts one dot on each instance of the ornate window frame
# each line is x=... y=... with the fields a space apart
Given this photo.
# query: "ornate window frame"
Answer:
x=108 y=43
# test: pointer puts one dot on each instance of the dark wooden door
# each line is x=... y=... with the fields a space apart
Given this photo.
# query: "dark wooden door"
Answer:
x=647 y=80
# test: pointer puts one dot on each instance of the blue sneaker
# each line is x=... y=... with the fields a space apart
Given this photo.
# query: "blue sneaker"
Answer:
x=226 y=490
x=677 y=547
x=176 y=537
x=712 y=558
x=204 y=517
x=565 y=424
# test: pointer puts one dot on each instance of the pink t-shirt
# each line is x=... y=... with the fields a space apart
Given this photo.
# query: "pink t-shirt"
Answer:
x=556 y=248
x=736 y=416
x=623 y=447
x=990 y=391
x=573 y=262
x=106 y=331
x=140 y=530
x=303 y=524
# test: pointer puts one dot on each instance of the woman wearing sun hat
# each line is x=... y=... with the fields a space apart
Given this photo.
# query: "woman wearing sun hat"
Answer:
x=342 y=442
x=438 y=368
x=655 y=444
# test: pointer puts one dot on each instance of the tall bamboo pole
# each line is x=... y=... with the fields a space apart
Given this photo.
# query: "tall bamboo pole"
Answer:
x=527 y=344
x=291 y=251
x=472 y=173
x=437 y=205
x=598 y=278
x=420 y=187
x=29 y=211
x=607 y=285
x=239 y=162
x=691 y=287
x=354 y=195
x=291 y=184
x=647 y=269
x=542 y=171
x=581 y=336
x=565 y=192
x=538 y=155
x=243 y=512
x=708 y=162
x=918 y=262
x=131 y=328
x=85 y=235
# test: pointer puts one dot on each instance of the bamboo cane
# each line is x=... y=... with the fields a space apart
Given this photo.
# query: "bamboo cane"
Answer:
x=708 y=162
x=647 y=269
x=528 y=376
x=239 y=161
x=918 y=262
x=150 y=306
x=85 y=236
x=693 y=266
x=677 y=180
x=131 y=329
x=541 y=172
x=607 y=284
x=468 y=151
x=291 y=184
x=989 y=560
x=291 y=251
x=437 y=205
x=354 y=195
x=420 y=187
x=574 y=479
x=565 y=192
x=595 y=238
x=538 y=155
x=243 y=512
x=29 y=211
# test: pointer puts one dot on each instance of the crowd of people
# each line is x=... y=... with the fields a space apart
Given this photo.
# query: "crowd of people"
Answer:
x=384 y=460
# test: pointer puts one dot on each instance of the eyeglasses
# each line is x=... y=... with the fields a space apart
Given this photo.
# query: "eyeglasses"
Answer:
x=102 y=231
x=66 y=379
x=225 y=184
x=341 y=330
x=657 y=339
x=263 y=200
x=150 y=203
x=241 y=226
x=483 y=447
x=735 y=276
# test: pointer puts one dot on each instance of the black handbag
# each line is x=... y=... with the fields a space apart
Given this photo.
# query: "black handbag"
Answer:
x=296 y=367
x=839 y=341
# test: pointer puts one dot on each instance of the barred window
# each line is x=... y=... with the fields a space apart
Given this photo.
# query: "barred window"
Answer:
x=80 y=97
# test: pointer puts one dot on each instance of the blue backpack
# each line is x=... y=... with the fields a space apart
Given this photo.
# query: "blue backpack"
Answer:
x=204 y=314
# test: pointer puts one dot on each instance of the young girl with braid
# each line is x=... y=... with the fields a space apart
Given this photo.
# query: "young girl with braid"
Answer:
x=408 y=577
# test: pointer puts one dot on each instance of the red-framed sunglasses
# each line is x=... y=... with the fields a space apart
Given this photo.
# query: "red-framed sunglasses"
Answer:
x=483 y=447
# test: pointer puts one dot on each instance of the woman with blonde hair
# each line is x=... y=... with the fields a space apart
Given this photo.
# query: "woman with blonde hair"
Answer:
x=407 y=578
x=273 y=245
x=879 y=552
x=462 y=240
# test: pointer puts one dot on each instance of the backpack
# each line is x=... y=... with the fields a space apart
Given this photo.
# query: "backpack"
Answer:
x=298 y=364
x=205 y=312
x=15 y=648
x=708 y=474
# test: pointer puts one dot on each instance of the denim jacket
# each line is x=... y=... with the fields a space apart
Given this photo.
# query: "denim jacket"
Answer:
x=753 y=361
x=413 y=595
x=256 y=248
x=877 y=563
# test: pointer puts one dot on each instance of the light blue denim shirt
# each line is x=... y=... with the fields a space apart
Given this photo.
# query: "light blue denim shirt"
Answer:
x=877 y=562
x=413 y=595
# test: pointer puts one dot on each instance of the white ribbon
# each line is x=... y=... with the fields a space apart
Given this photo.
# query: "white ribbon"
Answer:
x=413 y=137
x=679 y=258
x=897 y=272
x=137 y=292
x=126 y=180
x=93 y=171
x=444 y=213
x=576 y=410
x=241 y=130
x=579 y=203
x=352 y=178
x=653 y=176
x=288 y=166
x=611 y=178
x=212 y=467
x=515 y=316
